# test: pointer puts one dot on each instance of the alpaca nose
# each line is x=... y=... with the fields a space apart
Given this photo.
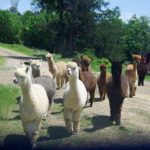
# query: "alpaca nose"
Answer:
x=15 y=81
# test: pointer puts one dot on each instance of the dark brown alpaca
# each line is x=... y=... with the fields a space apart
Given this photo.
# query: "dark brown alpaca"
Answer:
x=88 y=78
x=101 y=81
x=116 y=91
x=142 y=71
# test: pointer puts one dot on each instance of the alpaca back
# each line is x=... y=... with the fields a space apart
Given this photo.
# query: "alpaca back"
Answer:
x=88 y=79
x=49 y=85
x=61 y=68
x=117 y=92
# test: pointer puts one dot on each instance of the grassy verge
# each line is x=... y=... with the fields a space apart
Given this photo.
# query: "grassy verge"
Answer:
x=2 y=61
x=23 y=49
x=7 y=100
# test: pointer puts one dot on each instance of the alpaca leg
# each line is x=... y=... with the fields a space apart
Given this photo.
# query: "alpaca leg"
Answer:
x=58 y=82
x=62 y=81
x=134 y=90
x=112 y=114
x=76 y=119
x=118 y=115
x=101 y=95
x=92 y=96
x=68 y=120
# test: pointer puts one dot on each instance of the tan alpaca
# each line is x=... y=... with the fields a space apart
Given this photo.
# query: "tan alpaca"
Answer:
x=58 y=70
x=131 y=74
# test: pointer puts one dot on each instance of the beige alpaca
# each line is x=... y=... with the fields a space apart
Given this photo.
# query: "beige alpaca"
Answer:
x=58 y=70
x=131 y=74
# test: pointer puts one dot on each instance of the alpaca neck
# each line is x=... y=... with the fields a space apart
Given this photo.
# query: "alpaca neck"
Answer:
x=103 y=76
x=117 y=80
x=51 y=64
x=134 y=66
x=73 y=86
x=26 y=89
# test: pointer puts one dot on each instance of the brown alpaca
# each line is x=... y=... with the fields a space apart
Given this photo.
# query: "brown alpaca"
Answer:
x=142 y=70
x=58 y=70
x=116 y=91
x=88 y=78
x=102 y=80
x=131 y=74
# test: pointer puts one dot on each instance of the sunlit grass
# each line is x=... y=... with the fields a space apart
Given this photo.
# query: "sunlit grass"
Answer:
x=8 y=96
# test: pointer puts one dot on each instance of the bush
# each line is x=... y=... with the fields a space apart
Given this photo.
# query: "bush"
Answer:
x=96 y=62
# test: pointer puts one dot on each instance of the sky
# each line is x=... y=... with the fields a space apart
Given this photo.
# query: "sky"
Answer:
x=127 y=7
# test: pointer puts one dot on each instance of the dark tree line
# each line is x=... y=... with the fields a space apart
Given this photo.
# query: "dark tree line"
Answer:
x=71 y=26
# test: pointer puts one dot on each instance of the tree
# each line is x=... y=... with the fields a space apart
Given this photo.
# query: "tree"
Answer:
x=137 y=35
x=76 y=21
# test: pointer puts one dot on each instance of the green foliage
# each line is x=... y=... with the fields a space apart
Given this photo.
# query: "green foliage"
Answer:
x=7 y=99
x=10 y=27
x=97 y=61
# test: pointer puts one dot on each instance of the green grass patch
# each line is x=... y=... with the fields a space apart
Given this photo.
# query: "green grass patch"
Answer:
x=147 y=78
x=2 y=60
x=7 y=100
x=23 y=49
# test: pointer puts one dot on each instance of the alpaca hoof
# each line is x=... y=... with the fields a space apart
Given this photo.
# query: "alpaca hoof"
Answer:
x=34 y=146
x=76 y=132
x=118 y=122
x=111 y=119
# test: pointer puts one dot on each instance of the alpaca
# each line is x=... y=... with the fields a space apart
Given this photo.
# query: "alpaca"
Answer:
x=116 y=88
x=131 y=74
x=75 y=96
x=33 y=104
x=58 y=70
x=45 y=80
x=88 y=78
x=142 y=71
x=102 y=80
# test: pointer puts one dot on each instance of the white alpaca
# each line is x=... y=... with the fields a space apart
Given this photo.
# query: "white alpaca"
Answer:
x=58 y=70
x=75 y=96
x=33 y=104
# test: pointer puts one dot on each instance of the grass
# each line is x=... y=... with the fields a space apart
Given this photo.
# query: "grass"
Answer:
x=23 y=49
x=2 y=60
x=7 y=100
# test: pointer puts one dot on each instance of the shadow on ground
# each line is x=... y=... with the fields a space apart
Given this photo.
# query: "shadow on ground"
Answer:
x=99 y=122
x=16 y=142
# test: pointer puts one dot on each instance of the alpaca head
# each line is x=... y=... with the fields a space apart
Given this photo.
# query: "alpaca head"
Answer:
x=49 y=57
x=23 y=74
x=35 y=65
x=72 y=70
x=136 y=58
x=85 y=62
x=102 y=68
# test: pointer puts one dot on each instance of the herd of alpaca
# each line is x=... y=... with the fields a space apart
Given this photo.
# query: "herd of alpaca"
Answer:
x=38 y=90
